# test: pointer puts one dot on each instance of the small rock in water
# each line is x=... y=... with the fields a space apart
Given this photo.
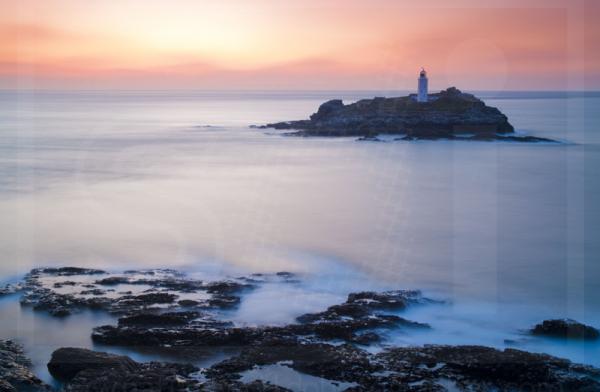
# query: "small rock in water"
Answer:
x=566 y=328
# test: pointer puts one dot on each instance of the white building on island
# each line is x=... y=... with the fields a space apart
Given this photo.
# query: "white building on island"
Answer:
x=422 y=95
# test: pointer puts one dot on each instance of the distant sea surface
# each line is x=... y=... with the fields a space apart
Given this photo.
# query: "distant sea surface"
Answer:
x=507 y=233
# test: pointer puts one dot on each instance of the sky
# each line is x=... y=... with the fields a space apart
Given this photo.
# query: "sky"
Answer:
x=309 y=44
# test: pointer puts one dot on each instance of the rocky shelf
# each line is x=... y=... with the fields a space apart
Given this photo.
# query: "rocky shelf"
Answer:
x=449 y=114
x=163 y=309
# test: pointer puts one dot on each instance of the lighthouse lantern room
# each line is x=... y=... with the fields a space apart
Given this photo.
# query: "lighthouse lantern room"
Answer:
x=422 y=95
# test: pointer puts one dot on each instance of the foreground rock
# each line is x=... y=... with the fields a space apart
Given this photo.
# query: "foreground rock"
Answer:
x=90 y=371
x=449 y=114
x=86 y=370
x=427 y=368
x=566 y=328
x=14 y=370
x=66 y=363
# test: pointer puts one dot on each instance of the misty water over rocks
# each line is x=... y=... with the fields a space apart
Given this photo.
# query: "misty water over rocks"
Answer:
x=502 y=232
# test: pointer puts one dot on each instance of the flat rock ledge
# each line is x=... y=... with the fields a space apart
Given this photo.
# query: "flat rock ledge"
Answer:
x=450 y=114
x=424 y=368
x=15 y=374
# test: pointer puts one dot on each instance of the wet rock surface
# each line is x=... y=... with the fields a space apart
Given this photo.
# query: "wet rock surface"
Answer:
x=423 y=368
x=427 y=368
x=90 y=371
x=164 y=310
x=566 y=328
x=15 y=374
x=67 y=362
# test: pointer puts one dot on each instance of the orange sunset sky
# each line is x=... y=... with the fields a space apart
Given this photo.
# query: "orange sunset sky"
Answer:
x=309 y=44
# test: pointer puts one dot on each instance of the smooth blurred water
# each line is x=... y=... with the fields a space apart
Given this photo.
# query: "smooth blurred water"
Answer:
x=507 y=232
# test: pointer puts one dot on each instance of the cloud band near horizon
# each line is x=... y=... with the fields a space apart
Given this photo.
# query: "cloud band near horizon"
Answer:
x=263 y=44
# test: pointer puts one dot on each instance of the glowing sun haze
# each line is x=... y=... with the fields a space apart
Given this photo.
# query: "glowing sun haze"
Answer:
x=311 y=44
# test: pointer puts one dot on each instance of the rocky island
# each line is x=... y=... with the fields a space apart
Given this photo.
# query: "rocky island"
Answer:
x=449 y=114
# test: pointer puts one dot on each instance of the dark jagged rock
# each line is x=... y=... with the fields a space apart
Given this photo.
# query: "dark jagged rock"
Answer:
x=113 y=280
x=14 y=370
x=226 y=385
x=9 y=289
x=67 y=362
x=153 y=376
x=448 y=113
x=352 y=321
x=223 y=301
x=363 y=304
x=152 y=298
x=60 y=305
x=427 y=368
x=96 y=292
x=485 y=368
x=124 y=374
x=214 y=333
x=86 y=370
x=58 y=285
x=188 y=303
x=342 y=363
x=226 y=287
x=566 y=328
x=68 y=271
x=164 y=288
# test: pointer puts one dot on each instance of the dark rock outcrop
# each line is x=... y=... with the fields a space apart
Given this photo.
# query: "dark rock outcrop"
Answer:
x=352 y=321
x=14 y=370
x=67 y=362
x=68 y=271
x=153 y=376
x=423 y=368
x=100 y=372
x=154 y=290
x=427 y=368
x=566 y=328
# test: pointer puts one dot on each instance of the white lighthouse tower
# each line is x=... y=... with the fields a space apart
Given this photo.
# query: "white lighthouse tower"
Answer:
x=422 y=95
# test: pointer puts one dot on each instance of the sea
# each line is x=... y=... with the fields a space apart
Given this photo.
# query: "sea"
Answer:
x=504 y=234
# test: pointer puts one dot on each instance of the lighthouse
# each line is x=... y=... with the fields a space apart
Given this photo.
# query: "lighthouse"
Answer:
x=422 y=95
